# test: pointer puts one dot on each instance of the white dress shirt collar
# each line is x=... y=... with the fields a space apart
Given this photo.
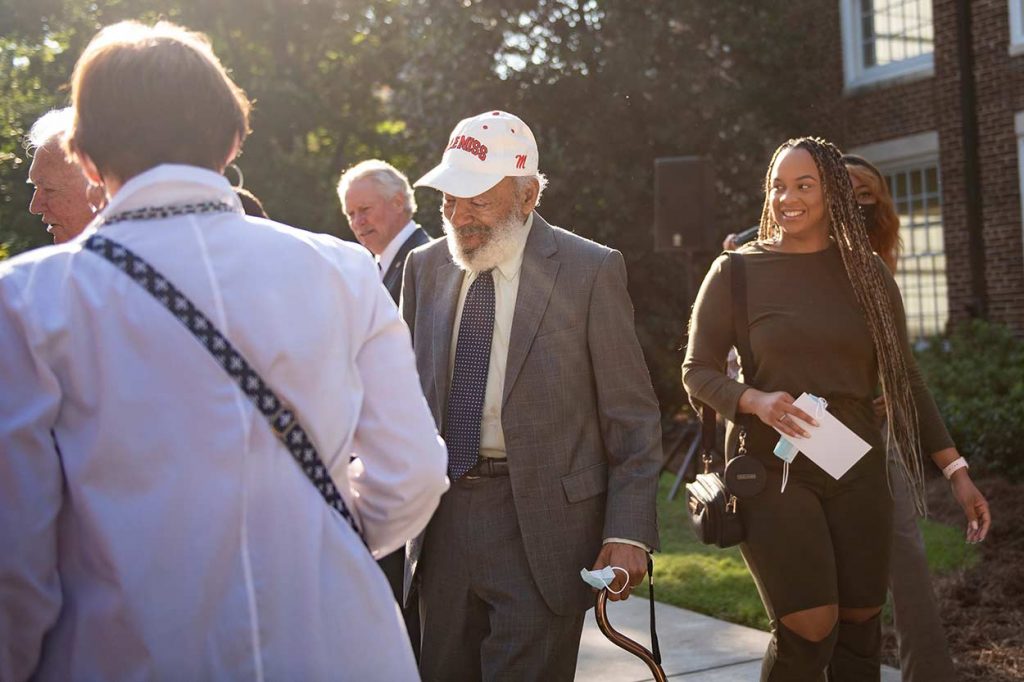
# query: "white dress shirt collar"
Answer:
x=391 y=250
x=169 y=184
x=506 y=291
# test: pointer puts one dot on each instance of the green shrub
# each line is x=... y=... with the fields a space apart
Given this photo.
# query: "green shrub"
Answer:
x=977 y=377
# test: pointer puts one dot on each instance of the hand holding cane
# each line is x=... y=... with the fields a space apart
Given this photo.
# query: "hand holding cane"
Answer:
x=651 y=659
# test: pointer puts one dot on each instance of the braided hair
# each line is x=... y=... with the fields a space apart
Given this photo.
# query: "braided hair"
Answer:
x=866 y=276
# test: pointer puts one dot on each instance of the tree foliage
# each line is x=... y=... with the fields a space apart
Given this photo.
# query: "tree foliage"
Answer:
x=606 y=85
x=980 y=395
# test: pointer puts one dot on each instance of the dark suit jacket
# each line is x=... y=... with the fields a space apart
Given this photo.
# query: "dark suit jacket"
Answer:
x=580 y=419
x=393 y=277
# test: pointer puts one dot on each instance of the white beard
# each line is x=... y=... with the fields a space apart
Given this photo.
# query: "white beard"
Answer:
x=505 y=238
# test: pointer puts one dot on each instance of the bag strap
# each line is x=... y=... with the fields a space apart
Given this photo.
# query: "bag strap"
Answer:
x=655 y=647
x=708 y=432
x=741 y=327
x=740 y=319
x=280 y=417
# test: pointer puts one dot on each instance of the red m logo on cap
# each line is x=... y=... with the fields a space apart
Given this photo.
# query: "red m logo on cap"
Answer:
x=520 y=160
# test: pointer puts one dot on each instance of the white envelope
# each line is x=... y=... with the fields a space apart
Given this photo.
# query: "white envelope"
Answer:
x=832 y=446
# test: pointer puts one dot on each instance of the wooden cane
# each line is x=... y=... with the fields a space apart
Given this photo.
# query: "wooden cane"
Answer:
x=620 y=640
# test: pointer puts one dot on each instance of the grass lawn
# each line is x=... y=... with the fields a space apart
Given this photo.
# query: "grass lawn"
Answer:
x=716 y=582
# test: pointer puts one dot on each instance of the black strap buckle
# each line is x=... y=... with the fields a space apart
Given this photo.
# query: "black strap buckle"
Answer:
x=290 y=423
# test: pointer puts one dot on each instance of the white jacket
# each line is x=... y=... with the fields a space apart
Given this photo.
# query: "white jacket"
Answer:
x=151 y=525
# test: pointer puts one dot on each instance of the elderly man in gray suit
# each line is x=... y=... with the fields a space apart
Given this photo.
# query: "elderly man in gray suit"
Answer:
x=528 y=356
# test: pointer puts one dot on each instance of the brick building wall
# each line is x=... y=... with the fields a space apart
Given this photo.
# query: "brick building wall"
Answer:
x=919 y=104
x=1000 y=87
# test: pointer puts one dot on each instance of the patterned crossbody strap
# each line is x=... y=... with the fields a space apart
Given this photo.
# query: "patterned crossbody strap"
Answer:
x=282 y=420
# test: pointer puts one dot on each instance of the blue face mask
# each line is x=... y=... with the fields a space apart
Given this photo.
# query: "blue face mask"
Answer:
x=602 y=578
x=787 y=451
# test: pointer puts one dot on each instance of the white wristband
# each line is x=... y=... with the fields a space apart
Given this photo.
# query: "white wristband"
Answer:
x=954 y=466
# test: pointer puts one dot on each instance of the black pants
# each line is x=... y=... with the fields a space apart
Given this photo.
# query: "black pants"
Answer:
x=821 y=542
x=393 y=566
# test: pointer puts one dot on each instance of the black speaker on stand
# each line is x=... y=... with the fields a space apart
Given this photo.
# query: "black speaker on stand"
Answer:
x=684 y=203
x=684 y=214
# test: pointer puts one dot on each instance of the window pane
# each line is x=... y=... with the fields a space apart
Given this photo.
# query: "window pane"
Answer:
x=895 y=30
x=921 y=273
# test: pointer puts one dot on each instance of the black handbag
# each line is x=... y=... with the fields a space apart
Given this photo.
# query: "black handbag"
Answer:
x=710 y=502
x=712 y=508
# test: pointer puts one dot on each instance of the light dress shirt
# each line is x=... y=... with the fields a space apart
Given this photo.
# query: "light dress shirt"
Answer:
x=151 y=524
x=385 y=259
x=506 y=290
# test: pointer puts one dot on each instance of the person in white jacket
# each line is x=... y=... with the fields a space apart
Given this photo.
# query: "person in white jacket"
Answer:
x=152 y=524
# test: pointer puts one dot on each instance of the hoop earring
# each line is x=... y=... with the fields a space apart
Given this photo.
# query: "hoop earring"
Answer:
x=238 y=171
x=93 y=191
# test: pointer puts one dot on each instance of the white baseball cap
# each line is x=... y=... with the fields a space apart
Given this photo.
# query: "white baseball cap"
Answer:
x=481 y=151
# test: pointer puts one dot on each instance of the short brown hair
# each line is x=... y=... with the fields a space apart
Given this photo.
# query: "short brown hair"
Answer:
x=146 y=95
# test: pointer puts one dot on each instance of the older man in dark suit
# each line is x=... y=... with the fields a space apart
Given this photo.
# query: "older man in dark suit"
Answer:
x=528 y=357
x=379 y=205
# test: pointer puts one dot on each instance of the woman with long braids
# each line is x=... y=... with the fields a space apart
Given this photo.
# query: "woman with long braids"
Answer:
x=824 y=317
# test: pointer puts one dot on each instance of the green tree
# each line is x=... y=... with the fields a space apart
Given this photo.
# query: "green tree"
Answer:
x=610 y=85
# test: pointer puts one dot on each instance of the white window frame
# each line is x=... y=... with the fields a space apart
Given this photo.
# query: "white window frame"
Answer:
x=914 y=150
x=1018 y=125
x=901 y=151
x=1016 y=27
x=855 y=74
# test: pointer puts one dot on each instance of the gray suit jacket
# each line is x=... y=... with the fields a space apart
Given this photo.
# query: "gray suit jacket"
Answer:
x=581 y=422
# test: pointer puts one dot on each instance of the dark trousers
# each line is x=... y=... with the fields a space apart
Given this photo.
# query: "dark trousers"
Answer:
x=821 y=542
x=482 y=615
x=924 y=654
x=393 y=566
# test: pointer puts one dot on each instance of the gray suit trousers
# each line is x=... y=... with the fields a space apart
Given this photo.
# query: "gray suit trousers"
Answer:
x=483 y=617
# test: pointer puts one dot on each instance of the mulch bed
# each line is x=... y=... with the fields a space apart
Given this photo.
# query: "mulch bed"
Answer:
x=983 y=607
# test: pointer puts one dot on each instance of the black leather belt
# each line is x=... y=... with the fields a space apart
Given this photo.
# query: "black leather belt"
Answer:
x=488 y=467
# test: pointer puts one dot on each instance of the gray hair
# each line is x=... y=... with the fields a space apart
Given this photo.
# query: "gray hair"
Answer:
x=522 y=181
x=389 y=179
x=51 y=126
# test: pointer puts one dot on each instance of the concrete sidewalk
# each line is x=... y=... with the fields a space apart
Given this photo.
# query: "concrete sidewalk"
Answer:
x=694 y=647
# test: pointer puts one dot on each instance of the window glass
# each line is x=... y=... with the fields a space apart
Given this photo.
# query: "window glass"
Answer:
x=894 y=30
x=921 y=272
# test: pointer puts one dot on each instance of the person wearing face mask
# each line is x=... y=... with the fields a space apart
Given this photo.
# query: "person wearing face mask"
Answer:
x=824 y=317
x=876 y=205
x=924 y=654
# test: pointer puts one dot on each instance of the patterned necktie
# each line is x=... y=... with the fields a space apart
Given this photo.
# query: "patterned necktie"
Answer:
x=469 y=378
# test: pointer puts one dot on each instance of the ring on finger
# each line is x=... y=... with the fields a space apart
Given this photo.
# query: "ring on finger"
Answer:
x=783 y=418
